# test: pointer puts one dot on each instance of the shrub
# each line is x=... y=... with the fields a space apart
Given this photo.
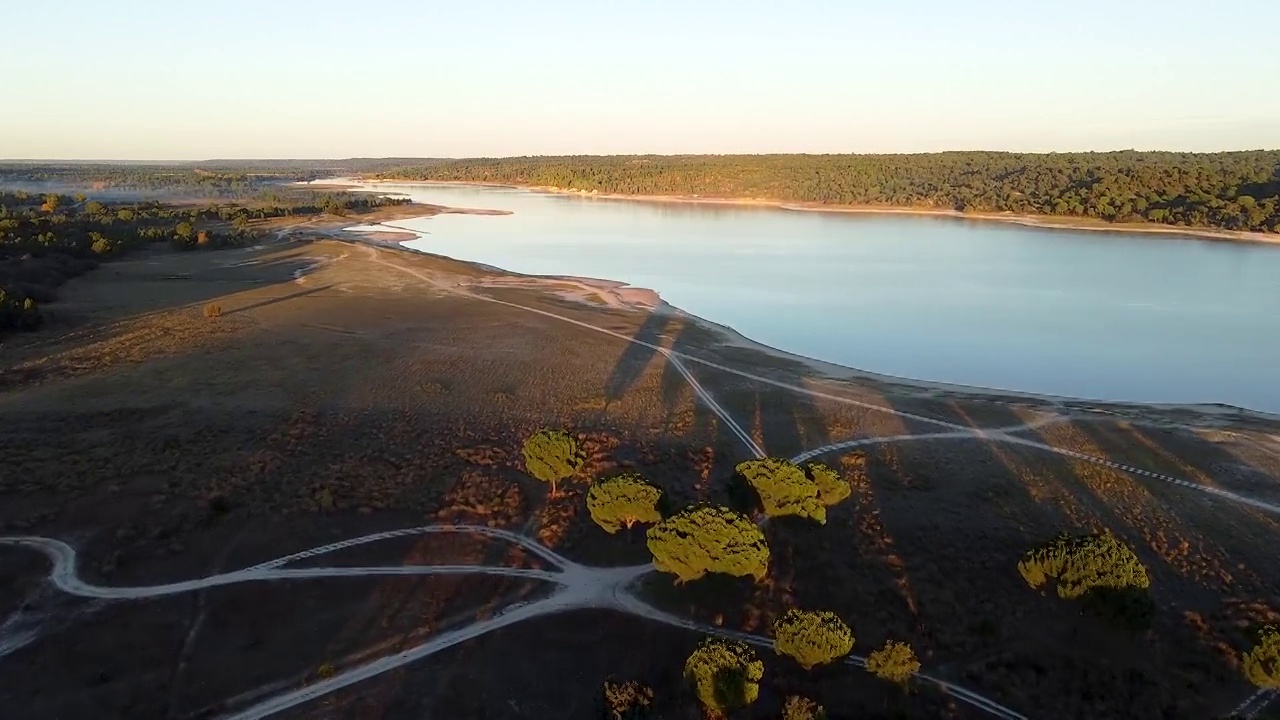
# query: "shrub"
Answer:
x=213 y=310
x=783 y=488
x=552 y=455
x=708 y=539
x=831 y=487
x=627 y=700
x=812 y=638
x=1262 y=663
x=623 y=501
x=100 y=244
x=895 y=662
x=19 y=310
x=725 y=674
x=1084 y=563
x=802 y=708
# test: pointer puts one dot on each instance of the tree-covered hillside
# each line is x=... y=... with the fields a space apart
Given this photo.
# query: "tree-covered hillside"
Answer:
x=1233 y=191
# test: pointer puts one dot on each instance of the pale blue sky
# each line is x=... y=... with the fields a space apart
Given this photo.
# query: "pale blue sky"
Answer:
x=150 y=79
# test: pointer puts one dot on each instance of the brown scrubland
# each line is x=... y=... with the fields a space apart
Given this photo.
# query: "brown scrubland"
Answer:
x=346 y=387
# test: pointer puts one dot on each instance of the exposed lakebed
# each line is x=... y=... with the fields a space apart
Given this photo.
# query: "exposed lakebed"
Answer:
x=1099 y=315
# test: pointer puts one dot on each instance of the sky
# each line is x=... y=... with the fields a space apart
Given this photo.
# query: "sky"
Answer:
x=148 y=80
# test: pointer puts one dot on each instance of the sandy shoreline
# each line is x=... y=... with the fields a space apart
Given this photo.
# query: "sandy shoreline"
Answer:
x=605 y=294
x=1046 y=222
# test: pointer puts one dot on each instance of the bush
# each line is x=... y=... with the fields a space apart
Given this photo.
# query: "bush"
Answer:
x=1262 y=663
x=552 y=455
x=802 y=708
x=623 y=501
x=1084 y=563
x=831 y=487
x=705 y=540
x=725 y=674
x=895 y=662
x=19 y=311
x=213 y=310
x=627 y=700
x=812 y=638
x=783 y=488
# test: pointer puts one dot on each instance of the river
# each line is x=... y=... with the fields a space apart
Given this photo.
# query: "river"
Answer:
x=1084 y=314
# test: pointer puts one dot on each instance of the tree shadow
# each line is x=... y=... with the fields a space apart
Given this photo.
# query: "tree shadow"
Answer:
x=635 y=356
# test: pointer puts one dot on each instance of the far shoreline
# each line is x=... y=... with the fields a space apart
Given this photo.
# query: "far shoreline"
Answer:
x=1044 y=222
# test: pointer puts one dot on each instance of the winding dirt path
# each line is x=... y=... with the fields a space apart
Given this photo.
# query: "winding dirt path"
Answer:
x=578 y=587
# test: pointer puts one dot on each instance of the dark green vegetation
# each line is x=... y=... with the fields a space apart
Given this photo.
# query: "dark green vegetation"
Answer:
x=1233 y=191
x=705 y=540
x=622 y=501
x=208 y=179
x=552 y=455
x=895 y=662
x=812 y=638
x=46 y=239
x=1097 y=569
x=1262 y=663
x=725 y=674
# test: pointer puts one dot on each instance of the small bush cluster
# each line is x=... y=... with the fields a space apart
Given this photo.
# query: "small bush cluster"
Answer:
x=213 y=310
x=725 y=674
x=623 y=501
x=802 y=708
x=895 y=662
x=705 y=540
x=812 y=638
x=19 y=312
x=552 y=455
x=628 y=700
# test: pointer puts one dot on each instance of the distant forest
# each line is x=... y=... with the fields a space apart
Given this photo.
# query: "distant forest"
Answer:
x=1231 y=191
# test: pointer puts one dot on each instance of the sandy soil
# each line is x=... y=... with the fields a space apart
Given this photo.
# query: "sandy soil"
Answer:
x=1040 y=221
x=350 y=388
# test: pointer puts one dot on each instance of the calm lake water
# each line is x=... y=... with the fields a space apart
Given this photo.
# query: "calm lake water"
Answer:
x=1083 y=314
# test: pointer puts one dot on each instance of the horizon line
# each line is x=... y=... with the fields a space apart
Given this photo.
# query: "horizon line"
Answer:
x=176 y=161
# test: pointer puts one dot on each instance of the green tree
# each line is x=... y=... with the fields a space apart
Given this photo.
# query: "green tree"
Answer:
x=831 y=487
x=1083 y=563
x=552 y=455
x=125 y=215
x=725 y=674
x=895 y=662
x=1262 y=663
x=812 y=638
x=623 y=501
x=93 y=207
x=783 y=488
x=705 y=540
x=184 y=230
